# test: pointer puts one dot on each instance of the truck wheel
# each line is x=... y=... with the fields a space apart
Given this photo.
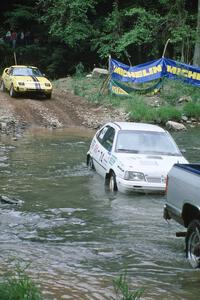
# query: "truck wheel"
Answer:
x=193 y=243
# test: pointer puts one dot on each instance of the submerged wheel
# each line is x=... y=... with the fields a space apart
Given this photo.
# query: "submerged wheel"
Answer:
x=112 y=184
x=90 y=163
x=12 y=92
x=193 y=243
x=2 y=86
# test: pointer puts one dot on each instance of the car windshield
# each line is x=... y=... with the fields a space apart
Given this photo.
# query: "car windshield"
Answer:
x=26 y=72
x=146 y=142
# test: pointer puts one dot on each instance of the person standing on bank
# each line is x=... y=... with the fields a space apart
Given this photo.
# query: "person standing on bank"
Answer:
x=13 y=38
x=8 y=36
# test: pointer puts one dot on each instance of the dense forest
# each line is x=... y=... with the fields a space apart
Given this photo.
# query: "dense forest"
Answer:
x=61 y=36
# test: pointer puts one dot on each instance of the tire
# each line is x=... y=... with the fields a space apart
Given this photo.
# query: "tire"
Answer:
x=193 y=243
x=48 y=96
x=2 y=86
x=12 y=92
x=90 y=164
x=111 y=182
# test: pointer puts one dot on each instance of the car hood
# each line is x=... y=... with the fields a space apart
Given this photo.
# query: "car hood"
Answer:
x=31 y=79
x=157 y=164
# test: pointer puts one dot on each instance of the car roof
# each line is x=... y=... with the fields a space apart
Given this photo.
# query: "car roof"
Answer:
x=138 y=126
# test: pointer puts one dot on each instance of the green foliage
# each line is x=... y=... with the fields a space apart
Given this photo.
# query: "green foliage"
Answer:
x=192 y=109
x=56 y=61
x=79 y=70
x=179 y=27
x=123 y=291
x=68 y=19
x=6 y=56
x=29 y=54
x=173 y=90
x=145 y=27
x=127 y=28
x=90 y=89
x=140 y=111
x=90 y=30
x=18 y=286
x=21 y=16
x=166 y=113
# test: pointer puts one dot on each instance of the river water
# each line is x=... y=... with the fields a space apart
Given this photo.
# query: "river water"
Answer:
x=73 y=236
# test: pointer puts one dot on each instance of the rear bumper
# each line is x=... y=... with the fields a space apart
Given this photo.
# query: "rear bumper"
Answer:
x=170 y=212
x=166 y=215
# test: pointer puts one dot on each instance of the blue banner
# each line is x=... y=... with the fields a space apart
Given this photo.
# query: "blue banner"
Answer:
x=139 y=74
x=180 y=71
x=154 y=70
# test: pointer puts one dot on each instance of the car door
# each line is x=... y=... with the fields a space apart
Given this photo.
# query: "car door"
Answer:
x=105 y=140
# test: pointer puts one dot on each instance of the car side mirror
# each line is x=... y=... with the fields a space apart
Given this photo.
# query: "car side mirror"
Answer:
x=6 y=70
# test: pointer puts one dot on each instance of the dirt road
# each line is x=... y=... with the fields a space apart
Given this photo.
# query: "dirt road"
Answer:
x=63 y=110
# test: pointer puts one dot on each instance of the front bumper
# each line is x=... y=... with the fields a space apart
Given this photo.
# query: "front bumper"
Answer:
x=20 y=89
x=140 y=186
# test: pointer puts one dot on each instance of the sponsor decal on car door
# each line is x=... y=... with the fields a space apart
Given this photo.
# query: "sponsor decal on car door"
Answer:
x=103 y=149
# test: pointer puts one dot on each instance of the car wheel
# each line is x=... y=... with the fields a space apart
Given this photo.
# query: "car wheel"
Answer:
x=12 y=91
x=193 y=243
x=112 y=184
x=90 y=163
x=2 y=86
x=48 y=96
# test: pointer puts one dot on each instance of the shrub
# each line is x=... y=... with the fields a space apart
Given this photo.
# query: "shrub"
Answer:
x=173 y=90
x=123 y=291
x=192 y=109
x=166 y=113
x=18 y=286
x=140 y=111
x=79 y=70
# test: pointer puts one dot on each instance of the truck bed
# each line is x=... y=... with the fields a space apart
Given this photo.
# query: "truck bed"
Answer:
x=193 y=168
x=183 y=192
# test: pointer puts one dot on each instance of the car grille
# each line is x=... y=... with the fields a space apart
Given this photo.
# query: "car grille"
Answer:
x=154 y=179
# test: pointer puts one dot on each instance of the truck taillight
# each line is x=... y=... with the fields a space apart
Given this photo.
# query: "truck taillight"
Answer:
x=166 y=186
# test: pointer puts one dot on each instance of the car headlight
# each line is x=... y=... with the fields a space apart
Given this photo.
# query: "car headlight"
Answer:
x=135 y=176
x=21 y=83
x=47 y=84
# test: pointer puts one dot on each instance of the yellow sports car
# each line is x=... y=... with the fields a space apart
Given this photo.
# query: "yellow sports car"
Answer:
x=25 y=79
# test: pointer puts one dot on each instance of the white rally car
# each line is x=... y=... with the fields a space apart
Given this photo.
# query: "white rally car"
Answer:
x=133 y=156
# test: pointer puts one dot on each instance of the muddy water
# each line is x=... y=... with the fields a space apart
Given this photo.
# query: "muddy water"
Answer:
x=76 y=237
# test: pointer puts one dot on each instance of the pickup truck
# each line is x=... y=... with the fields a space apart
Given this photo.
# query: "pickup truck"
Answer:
x=183 y=205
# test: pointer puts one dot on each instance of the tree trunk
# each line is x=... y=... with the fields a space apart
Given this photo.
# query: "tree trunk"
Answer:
x=196 y=58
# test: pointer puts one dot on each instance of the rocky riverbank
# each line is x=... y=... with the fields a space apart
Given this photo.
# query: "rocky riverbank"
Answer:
x=64 y=110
